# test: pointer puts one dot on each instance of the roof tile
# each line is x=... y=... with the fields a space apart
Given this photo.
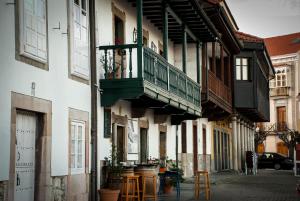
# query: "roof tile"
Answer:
x=285 y=44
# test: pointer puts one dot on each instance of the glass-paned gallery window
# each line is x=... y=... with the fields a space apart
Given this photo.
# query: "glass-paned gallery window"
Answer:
x=281 y=78
x=242 y=68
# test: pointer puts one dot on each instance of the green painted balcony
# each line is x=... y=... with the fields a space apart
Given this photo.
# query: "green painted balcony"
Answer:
x=160 y=86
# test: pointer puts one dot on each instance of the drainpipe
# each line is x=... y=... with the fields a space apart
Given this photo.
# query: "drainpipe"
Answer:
x=94 y=158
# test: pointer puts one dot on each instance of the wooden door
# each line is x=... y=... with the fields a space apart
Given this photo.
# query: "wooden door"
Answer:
x=119 y=37
x=204 y=140
x=121 y=143
x=282 y=148
x=162 y=145
x=195 y=147
x=143 y=145
x=25 y=156
x=183 y=137
x=281 y=118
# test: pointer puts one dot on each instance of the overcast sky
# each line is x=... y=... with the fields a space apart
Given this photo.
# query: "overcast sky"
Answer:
x=266 y=18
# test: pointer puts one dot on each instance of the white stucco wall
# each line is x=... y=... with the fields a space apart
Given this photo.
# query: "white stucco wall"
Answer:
x=53 y=85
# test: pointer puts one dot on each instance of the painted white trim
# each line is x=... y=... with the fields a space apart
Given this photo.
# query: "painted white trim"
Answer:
x=22 y=34
x=77 y=124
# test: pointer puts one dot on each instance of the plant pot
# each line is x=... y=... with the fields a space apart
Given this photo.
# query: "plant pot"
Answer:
x=168 y=188
x=162 y=169
x=109 y=194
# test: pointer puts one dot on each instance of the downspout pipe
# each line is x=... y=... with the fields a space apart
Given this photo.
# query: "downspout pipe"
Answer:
x=94 y=89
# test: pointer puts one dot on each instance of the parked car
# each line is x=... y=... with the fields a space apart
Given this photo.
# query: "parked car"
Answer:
x=274 y=160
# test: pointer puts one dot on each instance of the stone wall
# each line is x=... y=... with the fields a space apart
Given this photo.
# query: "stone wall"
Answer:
x=204 y=162
x=3 y=190
x=59 y=188
x=187 y=164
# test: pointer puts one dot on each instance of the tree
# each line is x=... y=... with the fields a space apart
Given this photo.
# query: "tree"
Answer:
x=290 y=139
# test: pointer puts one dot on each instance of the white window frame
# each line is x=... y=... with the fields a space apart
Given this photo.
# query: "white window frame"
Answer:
x=22 y=33
x=240 y=73
x=76 y=169
x=73 y=70
x=278 y=78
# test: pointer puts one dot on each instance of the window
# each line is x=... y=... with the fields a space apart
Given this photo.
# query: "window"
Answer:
x=79 y=39
x=33 y=29
x=77 y=147
x=281 y=78
x=242 y=68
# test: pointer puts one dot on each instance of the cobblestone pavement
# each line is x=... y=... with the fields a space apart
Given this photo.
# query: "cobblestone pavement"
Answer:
x=268 y=185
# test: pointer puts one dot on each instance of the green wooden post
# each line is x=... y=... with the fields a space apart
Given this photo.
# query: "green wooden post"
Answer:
x=184 y=45
x=139 y=13
x=165 y=31
x=198 y=44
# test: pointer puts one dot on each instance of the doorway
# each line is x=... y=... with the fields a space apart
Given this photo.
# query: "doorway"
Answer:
x=281 y=118
x=119 y=39
x=162 y=145
x=143 y=145
x=25 y=150
x=120 y=143
x=195 y=148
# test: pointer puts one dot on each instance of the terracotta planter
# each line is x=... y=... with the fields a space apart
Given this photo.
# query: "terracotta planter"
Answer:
x=162 y=169
x=109 y=195
x=168 y=188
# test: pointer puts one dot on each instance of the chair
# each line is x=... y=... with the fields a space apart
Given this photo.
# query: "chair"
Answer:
x=130 y=188
x=206 y=184
x=152 y=179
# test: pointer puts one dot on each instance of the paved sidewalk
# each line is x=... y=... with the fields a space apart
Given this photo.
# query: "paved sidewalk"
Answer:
x=268 y=185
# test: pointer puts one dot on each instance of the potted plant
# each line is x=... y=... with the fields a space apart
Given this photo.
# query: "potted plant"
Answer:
x=174 y=173
x=113 y=181
x=163 y=165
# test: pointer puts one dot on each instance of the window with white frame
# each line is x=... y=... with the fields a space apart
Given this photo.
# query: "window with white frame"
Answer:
x=242 y=68
x=79 y=39
x=77 y=147
x=33 y=29
x=281 y=78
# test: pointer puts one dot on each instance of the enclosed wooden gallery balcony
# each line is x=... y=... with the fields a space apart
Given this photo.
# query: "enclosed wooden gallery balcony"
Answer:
x=217 y=64
x=216 y=81
x=253 y=69
x=144 y=76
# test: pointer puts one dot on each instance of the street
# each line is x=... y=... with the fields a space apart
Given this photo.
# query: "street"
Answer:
x=268 y=185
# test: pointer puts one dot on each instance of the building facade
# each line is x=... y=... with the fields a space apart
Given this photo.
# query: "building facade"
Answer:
x=165 y=91
x=252 y=72
x=284 y=90
x=45 y=100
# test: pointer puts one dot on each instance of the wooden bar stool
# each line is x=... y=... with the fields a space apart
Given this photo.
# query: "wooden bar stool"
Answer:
x=130 y=188
x=206 y=184
x=146 y=179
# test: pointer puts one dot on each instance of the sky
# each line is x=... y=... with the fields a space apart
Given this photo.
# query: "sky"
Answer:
x=266 y=18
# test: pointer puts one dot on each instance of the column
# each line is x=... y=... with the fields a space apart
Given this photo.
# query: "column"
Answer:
x=198 y=47
x=242 y=143
x=238 y=143
x=234 y=144
x=139 y=13
x=184 y=46
x=165 y=31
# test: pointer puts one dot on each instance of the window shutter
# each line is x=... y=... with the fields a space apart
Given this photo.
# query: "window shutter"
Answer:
x=41 y=29
x=33 y=29
x=30 y=35
x=80 y=59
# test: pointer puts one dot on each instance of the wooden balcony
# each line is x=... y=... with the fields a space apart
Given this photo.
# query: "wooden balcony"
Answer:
x=217 y=98
x=161 y=86
x=279 y=91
